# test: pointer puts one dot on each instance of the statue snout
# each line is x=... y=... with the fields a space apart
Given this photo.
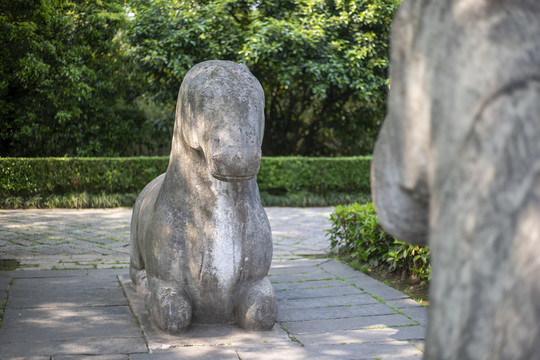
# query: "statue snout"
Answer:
x=235 y=163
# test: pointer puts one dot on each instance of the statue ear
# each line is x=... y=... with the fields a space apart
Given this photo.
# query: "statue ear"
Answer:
x=187 y=123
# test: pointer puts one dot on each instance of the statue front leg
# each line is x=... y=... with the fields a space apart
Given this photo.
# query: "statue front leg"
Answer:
x=170 y=309
x=256 y=307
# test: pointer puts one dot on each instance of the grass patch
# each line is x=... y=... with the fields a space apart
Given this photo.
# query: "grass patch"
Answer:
x=9 y=264
x=86 y=200
x=69 y=201
x=308 y=199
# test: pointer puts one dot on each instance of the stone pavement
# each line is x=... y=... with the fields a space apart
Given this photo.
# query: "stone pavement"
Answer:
x=326 y=309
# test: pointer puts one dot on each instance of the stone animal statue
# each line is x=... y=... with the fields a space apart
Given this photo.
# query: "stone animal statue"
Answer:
x=201 y=244
x=457 y=164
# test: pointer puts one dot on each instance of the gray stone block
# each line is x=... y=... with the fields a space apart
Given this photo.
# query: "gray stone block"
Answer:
x=325 y=326
x=370 y=351
x=18 y=357
x=92 y=357
x=307 y=303
x=301 y=284
x=190 y=353
x=83 y=346
x=49 y=274
x=365 y=351
x=296 y=267
x=318 y=293
x=403 y=303
x=321 y=313
x=288 y=353
x=313 y=275
x=339 y=269
x=418 y=313
x=5 y=279
x=108 y=273
x=65 y=292
x=58 y=324
x=375 y=287
x=404 y=333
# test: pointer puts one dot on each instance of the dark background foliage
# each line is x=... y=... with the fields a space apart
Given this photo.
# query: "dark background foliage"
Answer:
x=100 y=78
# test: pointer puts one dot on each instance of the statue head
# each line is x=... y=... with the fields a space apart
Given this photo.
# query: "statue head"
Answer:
x=220 y=113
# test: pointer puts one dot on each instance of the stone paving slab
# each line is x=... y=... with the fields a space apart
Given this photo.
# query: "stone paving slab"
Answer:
x=191 y=353
x=393 y=350
x=97 y=357
x=337 y=312
x=327 y=302
x=81 y=346
x=64 y=292
x=405 y=333
x=42 y=324
x=351 y=323
x=67 y=313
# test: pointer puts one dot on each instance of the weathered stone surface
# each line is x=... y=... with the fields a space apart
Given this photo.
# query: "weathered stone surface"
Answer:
x=68 y=324
x=200 y=335
x=457 y=162
x=352 y=323
x=190 y=353
x=64 y=292
x=364 y=336
x=318 y=292
x=82 y=346
x=335 y=312
x=201 y=244
x=5 y=279
x=396 y=350
x=305 y=303
x=92 y=357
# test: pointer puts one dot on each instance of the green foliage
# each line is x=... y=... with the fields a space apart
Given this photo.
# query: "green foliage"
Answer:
x=71 y=201
x=43 y=176
x=67 y=86
x=308 y=199
x=100 y=78
x=411 y=257
x=291 y=174
x=26 y=177
x=322 y=64
x=356 y=232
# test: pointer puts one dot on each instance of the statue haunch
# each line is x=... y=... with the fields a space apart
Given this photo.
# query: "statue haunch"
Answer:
x=201 y=244
x=457 y=163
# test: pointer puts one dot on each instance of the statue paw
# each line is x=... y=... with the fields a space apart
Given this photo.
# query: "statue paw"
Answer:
x=169 y=310
x=256 y=308
x=140 y=280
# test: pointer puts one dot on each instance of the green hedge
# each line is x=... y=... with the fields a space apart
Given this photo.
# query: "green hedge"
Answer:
x=26 y=177
x=315 y=175
x=47 y=176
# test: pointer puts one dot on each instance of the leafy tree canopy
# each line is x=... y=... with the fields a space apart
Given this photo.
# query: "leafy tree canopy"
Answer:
x=94 y=77
x=65 y=87
x=322 y=63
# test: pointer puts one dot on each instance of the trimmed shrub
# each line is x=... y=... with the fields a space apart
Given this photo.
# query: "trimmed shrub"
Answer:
x=357 y=232
x=26 y=177
x=315 y=175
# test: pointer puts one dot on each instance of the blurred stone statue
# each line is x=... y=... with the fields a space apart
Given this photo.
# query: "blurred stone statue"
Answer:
x=457 y=165
x=201 y=244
